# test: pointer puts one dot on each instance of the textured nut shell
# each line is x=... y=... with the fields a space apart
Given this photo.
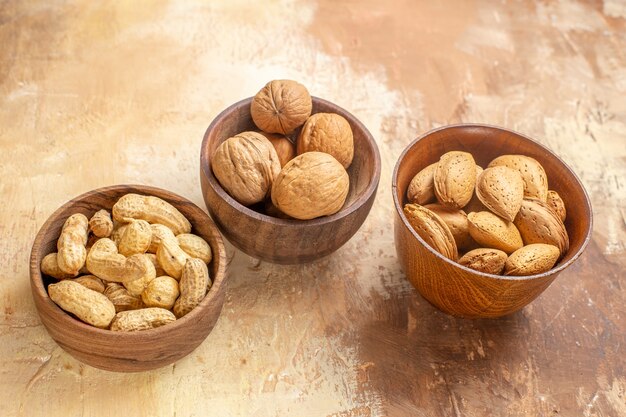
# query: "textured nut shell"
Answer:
x=456 y=220
x=136 y=238
x=88 y=305
x=532 y=259
x=556 y=204
x=101 y=224
x=50 y=266
x=487 y=260
x=422 y=187
x=159 y=232
x=533 y=175
x=118 y=232
x=246 y=165
x=161 y=292
x=171 y=257
x=501 y=190
x=143 y=319
x=454 y=179
x=194 y=284
x=104 y=262
x=153 y=258
x=151 y=209
x=281 y=106
x=329 y=133
x=195 y=247
x=71 y=244
x=92 y=282
x=143 y=263
x=538 y=223
x=121 y=298
x=284 y=147
x=494 y=232
x=432 y=229
x=311 y=185
x=272 y=210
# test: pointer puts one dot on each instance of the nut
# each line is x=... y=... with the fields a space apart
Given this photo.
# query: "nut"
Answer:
x=556 y=204
x=432 y=229
x=71 y=244
x=195 y=247
x=161 y=292
x=143 y=319
x=118 y=232
x=281 y=106
x=454 y=179
x=153 y=258
x=329 y=133
x=104 y=262
x=532 y=259
x=143 y=263
x=136 y=238
x=533 y=174
x=101 y=224
x=311 y=185
x=151 y=209
x=159 y=232
x=121 y=298
x=194 y=284
x=456 y=220
x=50 y=266
x=501 y=190
x=538 y=223
x=246 y=165
x=92 y=282
x=491 y=231
x=171 y=257
x=422 y=187
x=487 y=260
x=88 y=305
x=284 y=147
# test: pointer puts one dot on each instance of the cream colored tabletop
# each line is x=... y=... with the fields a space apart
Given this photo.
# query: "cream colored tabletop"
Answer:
x=101 y=93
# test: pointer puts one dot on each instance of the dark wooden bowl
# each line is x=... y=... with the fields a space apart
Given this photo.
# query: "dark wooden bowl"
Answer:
x=456 y=289
x=286 y=241
x=134 y=351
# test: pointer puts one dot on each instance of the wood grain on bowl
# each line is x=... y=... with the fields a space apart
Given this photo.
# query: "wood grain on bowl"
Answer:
x=289 y=241
x=134 y=351
x=456 y=289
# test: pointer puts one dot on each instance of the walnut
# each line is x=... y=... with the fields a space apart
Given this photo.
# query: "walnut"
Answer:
x=330 y=133
x=246 y=166
x=285 y=148
x=311 y=185
x=281 y=106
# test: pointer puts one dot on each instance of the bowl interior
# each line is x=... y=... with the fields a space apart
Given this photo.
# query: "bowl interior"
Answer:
x=364 y=172
x=486 y=143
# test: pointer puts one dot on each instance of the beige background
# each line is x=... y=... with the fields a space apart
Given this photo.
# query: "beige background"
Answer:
x=100 y=93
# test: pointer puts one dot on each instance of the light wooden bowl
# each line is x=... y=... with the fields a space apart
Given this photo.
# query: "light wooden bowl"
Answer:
x=456 y=289
x=280 y=240
x=132 y=351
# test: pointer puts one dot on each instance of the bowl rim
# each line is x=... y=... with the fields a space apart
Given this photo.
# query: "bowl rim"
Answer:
x=205 y=164
x=39 y=290
x=399 y=205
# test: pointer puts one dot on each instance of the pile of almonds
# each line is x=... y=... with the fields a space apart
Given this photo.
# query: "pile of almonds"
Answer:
x=304 y=180
x=504 y=217
x=139 y=270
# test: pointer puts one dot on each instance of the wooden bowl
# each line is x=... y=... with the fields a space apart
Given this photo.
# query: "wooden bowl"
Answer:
x=288 y=241
x=456 y=289
x=133 y=351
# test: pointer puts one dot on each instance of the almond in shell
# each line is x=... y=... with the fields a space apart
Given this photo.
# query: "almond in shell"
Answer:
x=487 y=260
x=455 y=178
x=491 y=231
x=432 y=229
x=456 y=220
x=533 y=175
x=501 y=190
x=422 y=188
x=532 y=259
x=556 y=204
x=538 y=223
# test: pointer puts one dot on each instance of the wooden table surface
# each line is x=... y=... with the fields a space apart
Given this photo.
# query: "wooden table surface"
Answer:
x=100 y=93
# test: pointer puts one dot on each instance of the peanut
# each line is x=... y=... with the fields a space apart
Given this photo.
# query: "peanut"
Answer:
x=194 y=283
x=171 y=257
x=117 y=233
x=92 y=282
x=151 y=209
x=121 y=298
x=50 y=266
x=153 y=258
x=136 y=238
x=161 y=292
x=104 y=262
x=159 y=232
x=101 y=224
x=71 y=244
x=144 y=319
x=88 y=305
x=195 y=246
x=140 y=262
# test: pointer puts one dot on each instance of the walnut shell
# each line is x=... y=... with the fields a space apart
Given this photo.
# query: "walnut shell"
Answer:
x=246 y=166
x=330 y=133
x=311 y=185
x=281 y=106
x=285 y=148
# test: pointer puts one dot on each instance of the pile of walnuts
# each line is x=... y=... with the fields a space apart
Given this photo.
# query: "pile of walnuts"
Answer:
x=304 y=180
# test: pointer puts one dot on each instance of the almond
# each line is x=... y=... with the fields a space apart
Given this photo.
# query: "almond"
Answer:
x=538 y=223
x=421 y=188
x=487 y=260
x=532 y=259
x=501 y=190
x=454 y=179
x=494 y=232
x=556 y=204
x=456 y=220
x=533 y=175
x=432 y=229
